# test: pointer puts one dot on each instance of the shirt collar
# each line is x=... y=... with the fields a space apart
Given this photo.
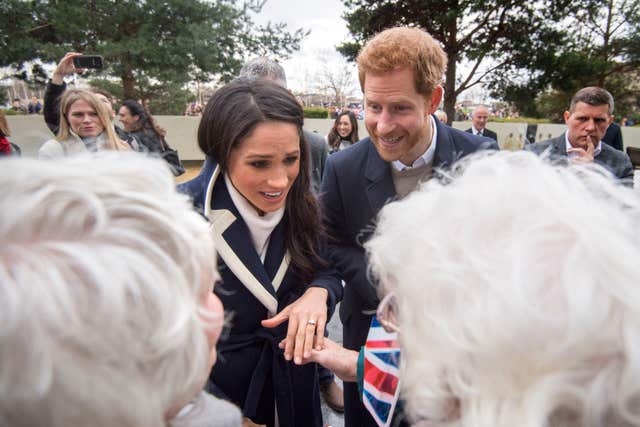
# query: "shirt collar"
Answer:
x=568 y=145
x=476 y=131
x=427 y=156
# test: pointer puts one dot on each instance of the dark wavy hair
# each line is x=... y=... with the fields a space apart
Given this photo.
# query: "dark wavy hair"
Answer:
x=334 y=137
x=231 y=114
x=146 y=122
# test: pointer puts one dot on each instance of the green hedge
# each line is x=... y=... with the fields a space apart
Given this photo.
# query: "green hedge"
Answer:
x=11 y=112
x=316 y=113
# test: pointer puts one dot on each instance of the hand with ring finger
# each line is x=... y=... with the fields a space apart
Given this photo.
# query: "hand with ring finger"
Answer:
x=307 y=318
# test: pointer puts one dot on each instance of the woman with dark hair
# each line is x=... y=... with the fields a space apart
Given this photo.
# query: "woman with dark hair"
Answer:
x=255 y=190
x=344 y=132
x=141 y=125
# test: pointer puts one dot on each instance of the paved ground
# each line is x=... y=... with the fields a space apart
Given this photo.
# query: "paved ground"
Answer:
x=330 y=417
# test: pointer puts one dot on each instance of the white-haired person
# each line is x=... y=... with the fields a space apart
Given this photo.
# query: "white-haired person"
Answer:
x=107 y=315
x=529 y=315
x=85 y=126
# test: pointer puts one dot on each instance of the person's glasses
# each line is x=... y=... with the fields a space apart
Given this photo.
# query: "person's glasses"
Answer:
x=387 y=313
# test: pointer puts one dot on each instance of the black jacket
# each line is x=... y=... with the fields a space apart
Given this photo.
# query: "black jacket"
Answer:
x=486 y=133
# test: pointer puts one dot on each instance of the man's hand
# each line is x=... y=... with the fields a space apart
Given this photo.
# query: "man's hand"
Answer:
x=307 y=318
x=65 y=68
x=582 y=155
x=334 y=357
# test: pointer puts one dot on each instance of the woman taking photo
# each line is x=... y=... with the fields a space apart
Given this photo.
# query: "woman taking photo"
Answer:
x=84 y=126
x=344 y=132
x=255 y=190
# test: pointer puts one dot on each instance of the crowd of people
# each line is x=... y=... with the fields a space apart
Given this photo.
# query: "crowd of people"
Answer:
x=83 y=121
x=475 y=287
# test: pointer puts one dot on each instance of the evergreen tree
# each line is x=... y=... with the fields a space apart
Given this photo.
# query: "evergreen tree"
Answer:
x=157 y=41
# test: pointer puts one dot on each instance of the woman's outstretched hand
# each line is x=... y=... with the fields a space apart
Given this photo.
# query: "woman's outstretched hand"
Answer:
x=307 y=319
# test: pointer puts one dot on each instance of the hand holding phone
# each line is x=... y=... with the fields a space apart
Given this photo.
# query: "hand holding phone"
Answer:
x=88 y=61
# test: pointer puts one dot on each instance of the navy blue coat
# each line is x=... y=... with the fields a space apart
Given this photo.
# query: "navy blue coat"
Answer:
x=357 y=183
x=251 y=370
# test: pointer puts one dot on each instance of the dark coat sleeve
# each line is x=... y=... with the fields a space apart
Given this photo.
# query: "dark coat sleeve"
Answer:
x=613 y=136
x=326 y=277
x=149 y=140
x=51 y=110
x=319 y=151
x=348 y=259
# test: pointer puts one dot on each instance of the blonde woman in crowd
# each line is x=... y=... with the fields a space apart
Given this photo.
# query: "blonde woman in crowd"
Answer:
x=85 y=126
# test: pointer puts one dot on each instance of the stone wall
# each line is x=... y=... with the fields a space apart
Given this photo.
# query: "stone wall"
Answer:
x=30 y=132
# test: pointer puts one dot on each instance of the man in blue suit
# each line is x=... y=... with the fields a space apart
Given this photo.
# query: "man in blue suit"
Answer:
x=400 y=71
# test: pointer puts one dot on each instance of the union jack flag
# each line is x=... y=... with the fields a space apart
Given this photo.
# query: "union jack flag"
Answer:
x=381 y=384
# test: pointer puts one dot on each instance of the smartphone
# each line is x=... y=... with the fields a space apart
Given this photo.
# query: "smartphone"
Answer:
x=88 y=61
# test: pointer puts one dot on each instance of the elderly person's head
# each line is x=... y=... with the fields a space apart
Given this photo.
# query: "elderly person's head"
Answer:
x=516 y=295
x=107 y=315
x=266 y=68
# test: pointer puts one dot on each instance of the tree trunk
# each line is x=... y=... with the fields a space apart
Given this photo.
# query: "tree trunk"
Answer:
x=451 y=49
x=128 y=82
x=450 y=89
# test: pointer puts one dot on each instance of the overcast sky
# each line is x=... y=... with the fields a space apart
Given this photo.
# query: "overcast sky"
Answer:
x=328 y=29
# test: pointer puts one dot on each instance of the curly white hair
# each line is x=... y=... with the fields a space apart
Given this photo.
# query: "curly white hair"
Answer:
x=103 y=272
x=518 y=295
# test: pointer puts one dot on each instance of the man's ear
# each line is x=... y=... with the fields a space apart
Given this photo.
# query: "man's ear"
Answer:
x=611 y=117
x=566 y=116
x=434 y=99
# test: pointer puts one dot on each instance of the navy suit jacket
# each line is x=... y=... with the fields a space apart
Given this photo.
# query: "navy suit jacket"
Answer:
x=615 y=161
x=357 y=183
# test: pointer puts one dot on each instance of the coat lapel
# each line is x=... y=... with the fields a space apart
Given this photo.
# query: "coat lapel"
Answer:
x=445 y=154
x=379 y=185
x=559 y=145
x=233 y=243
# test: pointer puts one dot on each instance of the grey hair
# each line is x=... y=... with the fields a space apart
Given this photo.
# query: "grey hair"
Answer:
x=517 y=295
x=478 y=108
x=594 y=96
x=104 y=269
x=263 y=67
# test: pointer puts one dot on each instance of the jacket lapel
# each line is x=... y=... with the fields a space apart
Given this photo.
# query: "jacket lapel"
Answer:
x=277 y=259
x=233 y=243
x=559 y=145
x=379 y=185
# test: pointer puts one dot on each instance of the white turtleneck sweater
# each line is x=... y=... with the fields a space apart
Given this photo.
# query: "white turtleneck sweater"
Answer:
x=260 y=227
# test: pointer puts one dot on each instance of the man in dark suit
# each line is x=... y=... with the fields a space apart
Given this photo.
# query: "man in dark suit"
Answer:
x=590 y=114
x=400 y=71
x=479 y=119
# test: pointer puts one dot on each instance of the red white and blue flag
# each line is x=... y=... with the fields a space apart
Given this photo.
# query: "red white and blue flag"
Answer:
x=381 y=384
